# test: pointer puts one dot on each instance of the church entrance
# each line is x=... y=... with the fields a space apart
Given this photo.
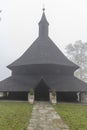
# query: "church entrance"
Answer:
x=42 y=92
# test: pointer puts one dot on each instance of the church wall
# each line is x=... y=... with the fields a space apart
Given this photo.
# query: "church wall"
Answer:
x=42 y=69
x=17 y=96
x=67 y=96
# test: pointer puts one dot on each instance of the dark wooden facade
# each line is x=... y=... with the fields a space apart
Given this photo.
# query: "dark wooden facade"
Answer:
x=43 y=67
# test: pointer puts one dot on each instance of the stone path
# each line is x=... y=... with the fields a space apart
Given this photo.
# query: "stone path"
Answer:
x=44 y=117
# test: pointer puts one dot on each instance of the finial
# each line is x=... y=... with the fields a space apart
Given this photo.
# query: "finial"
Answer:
x=43 y=8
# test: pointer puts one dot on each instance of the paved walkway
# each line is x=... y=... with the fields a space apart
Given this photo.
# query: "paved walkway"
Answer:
x=44 y=117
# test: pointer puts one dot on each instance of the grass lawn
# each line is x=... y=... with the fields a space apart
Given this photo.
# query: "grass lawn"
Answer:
x=74 y=115
x=14 y=115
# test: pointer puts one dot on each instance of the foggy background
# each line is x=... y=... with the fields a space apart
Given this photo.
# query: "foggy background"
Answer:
x=19 y=26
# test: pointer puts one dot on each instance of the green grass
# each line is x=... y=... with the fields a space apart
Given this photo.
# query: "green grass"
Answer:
x=74 y=115
x=14 y=115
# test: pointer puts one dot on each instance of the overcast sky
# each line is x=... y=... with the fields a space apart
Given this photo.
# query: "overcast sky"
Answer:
x=19 y=25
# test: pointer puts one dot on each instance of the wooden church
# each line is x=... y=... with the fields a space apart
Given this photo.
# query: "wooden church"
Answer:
x=43 y=68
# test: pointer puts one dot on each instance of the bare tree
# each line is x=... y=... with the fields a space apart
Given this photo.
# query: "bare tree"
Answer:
x=77 y=52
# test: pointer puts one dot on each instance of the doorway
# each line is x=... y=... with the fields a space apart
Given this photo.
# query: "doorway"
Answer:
x=42 y=92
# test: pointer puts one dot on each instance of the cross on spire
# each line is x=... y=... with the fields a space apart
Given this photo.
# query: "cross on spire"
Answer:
x=43 y=8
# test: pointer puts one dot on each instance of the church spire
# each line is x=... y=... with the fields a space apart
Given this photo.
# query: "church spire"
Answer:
x=43 y=25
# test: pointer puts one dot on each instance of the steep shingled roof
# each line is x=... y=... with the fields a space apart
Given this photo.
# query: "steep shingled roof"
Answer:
x=59 y=83
x=43 y=50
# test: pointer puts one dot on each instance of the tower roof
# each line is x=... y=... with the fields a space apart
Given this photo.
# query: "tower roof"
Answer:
x=43 y=26
x=43 y=19
x=43 y=50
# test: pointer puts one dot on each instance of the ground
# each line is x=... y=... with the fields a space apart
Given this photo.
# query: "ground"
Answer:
x=75 y=115
x=44 y=117
x=14 y=115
